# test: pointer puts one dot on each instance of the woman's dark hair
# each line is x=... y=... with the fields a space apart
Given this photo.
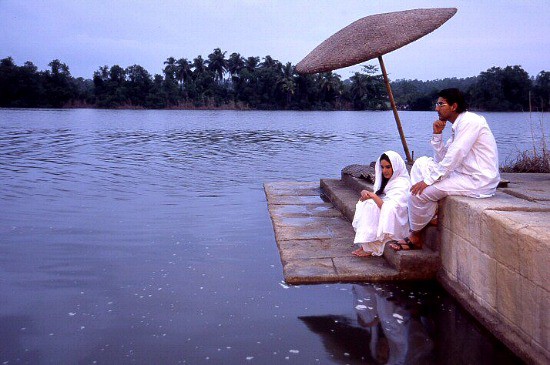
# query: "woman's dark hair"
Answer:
x=384 y=180
x=452 y=96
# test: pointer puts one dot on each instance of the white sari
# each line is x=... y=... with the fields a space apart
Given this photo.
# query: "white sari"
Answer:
x=375 y=226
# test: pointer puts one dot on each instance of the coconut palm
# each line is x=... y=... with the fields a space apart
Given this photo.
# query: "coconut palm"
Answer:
x=183 y=71
x=217 y=64
x=170 y=68
x=286 y=83
x=235 y=64
x=251 y=63
x=330 y=86
x=269 y=62
x=199 y=66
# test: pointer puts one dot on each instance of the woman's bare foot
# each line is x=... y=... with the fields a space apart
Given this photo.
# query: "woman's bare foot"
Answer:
x=361 y=253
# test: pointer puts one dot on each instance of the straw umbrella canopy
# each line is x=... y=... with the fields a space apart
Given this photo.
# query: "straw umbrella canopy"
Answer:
x=371 y=37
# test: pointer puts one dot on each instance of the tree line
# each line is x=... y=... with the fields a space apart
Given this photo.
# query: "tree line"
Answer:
x=237 y=82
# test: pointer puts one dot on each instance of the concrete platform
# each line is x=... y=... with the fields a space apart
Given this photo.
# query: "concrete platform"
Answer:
x=315 y=239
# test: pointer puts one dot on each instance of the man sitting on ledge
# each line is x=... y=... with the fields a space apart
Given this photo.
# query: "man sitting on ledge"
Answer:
x=466 y=165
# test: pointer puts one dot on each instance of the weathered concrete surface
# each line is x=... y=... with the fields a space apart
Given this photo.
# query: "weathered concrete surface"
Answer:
x=315 y=241
x=496 y=261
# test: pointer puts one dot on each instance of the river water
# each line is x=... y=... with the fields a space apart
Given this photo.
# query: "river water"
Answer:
x=143 y=237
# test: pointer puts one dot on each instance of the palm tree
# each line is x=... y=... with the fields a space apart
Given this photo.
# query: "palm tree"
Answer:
x=183 y=71
x=359 y=90
x=170 y=68
x=235 y=64
x=199 y=66
x=251 y=63
x=270 y=63
x=217 y=64
x=330 y=86
x=286 y=83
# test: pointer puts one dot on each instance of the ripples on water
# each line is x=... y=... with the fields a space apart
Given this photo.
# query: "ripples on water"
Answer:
x=144 y=237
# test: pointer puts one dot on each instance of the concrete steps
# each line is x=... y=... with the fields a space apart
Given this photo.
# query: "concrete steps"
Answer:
x=412 y=265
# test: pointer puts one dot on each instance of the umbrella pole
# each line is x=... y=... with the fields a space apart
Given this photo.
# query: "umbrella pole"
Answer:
x=394 y=108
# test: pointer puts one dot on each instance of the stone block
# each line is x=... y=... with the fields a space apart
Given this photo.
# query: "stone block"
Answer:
x=531 y=306
x=292 y=188
x=539 y=218
x=448 y=252
x=453 y=220
x=468 y=221
x=310 y=271
x=534 y=251
x=341 y=196
x=308 y=210
x=500 y=238
x=431 y=237
x=484 y=278
x=414 y=264
x=544 y=320
x=465 y=254
x=364 y=269
x=509 y=294
x=312 y=249
x=288 y=228
x=295 y=200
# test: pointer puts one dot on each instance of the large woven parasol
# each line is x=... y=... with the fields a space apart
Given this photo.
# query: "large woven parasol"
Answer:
x=371 y=37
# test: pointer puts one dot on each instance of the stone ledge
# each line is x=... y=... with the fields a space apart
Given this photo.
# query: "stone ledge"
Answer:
x=530 y=352
x=315 y=240
x=495 y=260
x=412 y=265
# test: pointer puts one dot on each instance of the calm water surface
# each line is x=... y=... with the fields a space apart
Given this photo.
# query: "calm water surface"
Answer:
x=143 y=237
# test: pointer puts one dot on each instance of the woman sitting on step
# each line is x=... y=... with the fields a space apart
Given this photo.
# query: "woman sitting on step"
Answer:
x=382 y=216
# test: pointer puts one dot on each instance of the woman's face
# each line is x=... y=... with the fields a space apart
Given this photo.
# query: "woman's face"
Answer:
x=387 y=170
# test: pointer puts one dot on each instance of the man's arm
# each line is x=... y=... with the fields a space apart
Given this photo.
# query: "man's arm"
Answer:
x=437 y=140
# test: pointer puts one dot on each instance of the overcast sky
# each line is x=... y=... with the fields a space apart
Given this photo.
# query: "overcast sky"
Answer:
x=88 y=34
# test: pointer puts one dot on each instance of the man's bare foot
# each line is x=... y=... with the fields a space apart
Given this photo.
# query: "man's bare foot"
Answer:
x=361 y=253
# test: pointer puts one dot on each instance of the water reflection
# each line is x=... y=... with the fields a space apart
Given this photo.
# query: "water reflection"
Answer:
x=405 y=324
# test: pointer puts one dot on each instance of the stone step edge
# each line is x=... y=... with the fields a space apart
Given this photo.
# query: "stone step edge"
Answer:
x=419 y=263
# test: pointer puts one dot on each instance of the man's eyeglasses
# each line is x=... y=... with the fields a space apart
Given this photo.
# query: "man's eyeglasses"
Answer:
x=440 y=103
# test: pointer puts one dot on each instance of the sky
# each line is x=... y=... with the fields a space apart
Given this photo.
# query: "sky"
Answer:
x=87 y=34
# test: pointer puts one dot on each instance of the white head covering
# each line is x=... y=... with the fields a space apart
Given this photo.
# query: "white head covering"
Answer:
x=399 y=183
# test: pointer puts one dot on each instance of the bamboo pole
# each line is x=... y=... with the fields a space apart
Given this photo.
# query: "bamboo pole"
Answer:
x=394 y=108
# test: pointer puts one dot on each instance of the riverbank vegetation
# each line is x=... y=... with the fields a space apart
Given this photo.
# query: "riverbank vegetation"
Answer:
x=536 y=159
x=239 y=82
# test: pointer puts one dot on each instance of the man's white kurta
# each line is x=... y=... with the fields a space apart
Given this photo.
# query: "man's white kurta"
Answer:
x=374 y=226
x=467 y=164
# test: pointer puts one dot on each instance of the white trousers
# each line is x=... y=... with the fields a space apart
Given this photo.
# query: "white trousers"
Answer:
x=375 y=226
x=423 y=207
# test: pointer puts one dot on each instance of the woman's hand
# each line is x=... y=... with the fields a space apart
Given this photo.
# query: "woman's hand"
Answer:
x=365 y=194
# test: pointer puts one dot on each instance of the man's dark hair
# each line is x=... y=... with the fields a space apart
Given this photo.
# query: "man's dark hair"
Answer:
x=452 y=96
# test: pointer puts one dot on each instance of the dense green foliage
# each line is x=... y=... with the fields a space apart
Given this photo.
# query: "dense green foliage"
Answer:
x=250 y=83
